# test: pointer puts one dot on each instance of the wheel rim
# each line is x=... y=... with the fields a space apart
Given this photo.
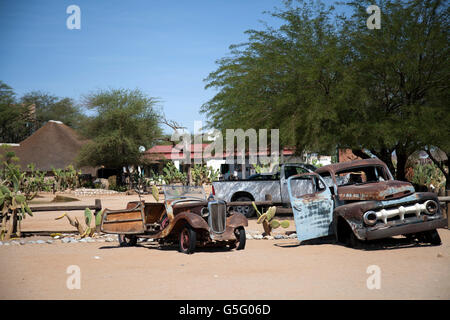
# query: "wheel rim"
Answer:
x=185 y=239
x=243 y=209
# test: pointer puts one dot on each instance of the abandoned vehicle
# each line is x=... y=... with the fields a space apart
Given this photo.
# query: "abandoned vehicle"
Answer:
x=185 y=217
x=256 y=187
x=360 y=200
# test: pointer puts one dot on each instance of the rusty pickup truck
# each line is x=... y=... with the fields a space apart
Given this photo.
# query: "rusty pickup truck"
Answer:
x=358 y=201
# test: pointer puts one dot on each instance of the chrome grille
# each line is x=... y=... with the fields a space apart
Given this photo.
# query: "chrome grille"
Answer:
x=217 y=216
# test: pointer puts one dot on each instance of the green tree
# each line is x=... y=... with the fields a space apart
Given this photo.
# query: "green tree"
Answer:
x=49 y=107
x=14 y=117
x=124 y=120
x=327 y=81
x=400 y=75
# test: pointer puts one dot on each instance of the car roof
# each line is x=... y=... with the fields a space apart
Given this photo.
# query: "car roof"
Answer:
x=336 y=167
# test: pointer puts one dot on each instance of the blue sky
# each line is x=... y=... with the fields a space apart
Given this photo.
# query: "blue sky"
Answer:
x=165 y=48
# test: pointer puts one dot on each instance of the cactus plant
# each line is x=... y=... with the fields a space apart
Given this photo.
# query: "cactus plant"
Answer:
x=85 y=230
x=268 y=221
x=14 y=209
x=155 y=193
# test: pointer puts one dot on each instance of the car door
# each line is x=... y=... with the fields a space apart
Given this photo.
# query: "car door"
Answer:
x=312 y=205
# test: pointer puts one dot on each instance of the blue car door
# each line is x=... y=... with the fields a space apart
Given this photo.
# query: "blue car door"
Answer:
x=312 y=205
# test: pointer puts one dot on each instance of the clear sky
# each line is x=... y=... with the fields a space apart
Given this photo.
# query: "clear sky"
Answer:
x=166 y=48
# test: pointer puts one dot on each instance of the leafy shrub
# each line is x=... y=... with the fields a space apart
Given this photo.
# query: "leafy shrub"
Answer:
x=172 y=175
x=203 y=174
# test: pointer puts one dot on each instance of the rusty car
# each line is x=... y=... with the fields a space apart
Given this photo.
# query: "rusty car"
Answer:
x=185 y=218
x=359 y=200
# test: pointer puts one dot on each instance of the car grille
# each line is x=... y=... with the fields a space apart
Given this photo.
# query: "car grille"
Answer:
x=217 y=216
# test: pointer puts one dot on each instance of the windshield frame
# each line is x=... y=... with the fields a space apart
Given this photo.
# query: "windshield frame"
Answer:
x=386 y=174
x=183 y=192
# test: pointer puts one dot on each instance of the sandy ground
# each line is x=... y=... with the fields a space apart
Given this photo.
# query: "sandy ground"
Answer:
x=266 y=269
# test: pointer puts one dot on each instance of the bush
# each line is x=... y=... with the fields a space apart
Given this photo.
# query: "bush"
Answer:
x=202 y=175
x=112 y=182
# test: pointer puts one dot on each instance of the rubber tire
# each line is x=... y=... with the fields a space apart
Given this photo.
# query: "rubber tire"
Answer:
x=127 y=240
x=353 y=242
x=191 y=237
x=241 y=238
x=251 y=211
x=432 y=236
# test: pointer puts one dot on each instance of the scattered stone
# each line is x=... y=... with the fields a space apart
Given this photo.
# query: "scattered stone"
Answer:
x=293 y=236
x=90 y=240
x=96 y=257
x=269 y=237
x=65 y=240
x=83 y=240
x=279 y=236
x=6 y=244
x=49 y=241
x=109 y=239
x=31 y=242
x=1 y=243
x=15 y=242
x=248 y=236
x=101 y=240
x=40 y=241
x=22 y=242
x=258 y=236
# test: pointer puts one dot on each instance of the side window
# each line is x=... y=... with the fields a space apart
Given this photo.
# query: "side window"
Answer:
x=326 y=176
x=293 y=170
x=301 y=186
x=319 y=184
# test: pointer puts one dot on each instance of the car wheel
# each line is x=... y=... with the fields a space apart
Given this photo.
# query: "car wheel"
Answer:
x=127 y=240
x=240 y=238
x=247 y=211
x=432 y=236
x=187 y=240
x=353 y=241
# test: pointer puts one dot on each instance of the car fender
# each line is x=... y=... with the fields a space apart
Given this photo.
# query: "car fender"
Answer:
x=194 y=220
x=237 y=220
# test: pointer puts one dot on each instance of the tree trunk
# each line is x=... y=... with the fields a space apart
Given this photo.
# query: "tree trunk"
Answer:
x=402 y=157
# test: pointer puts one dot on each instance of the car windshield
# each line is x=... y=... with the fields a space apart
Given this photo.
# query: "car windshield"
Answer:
x=183 y=192
x=361 y=175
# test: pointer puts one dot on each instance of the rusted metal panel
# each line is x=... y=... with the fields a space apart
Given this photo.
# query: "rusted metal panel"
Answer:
x=376 y=191
x=129 y=221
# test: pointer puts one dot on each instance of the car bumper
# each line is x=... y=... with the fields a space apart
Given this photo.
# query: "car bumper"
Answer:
x=396 y=230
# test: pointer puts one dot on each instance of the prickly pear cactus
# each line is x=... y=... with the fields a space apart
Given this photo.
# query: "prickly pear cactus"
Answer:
x=266 y=219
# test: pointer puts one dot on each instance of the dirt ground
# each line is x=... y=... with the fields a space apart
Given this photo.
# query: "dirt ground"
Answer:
x=266 y=269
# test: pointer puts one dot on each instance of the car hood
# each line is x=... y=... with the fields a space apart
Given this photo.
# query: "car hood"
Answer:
x=385 y=190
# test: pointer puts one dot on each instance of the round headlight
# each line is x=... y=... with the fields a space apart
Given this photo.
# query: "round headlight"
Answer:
x=370 y=218
x=204 y=212
x=431 y=206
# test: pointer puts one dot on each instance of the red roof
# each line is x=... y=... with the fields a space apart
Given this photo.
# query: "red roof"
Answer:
x=168 y=152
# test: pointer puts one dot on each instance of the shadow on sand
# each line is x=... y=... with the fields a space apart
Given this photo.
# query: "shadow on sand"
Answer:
x=381 y=244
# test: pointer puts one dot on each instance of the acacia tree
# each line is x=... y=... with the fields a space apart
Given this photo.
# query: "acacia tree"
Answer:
x=327 y=81
x=14 y=117
x=401 y=76
x=49 y=107
x=124 y=120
